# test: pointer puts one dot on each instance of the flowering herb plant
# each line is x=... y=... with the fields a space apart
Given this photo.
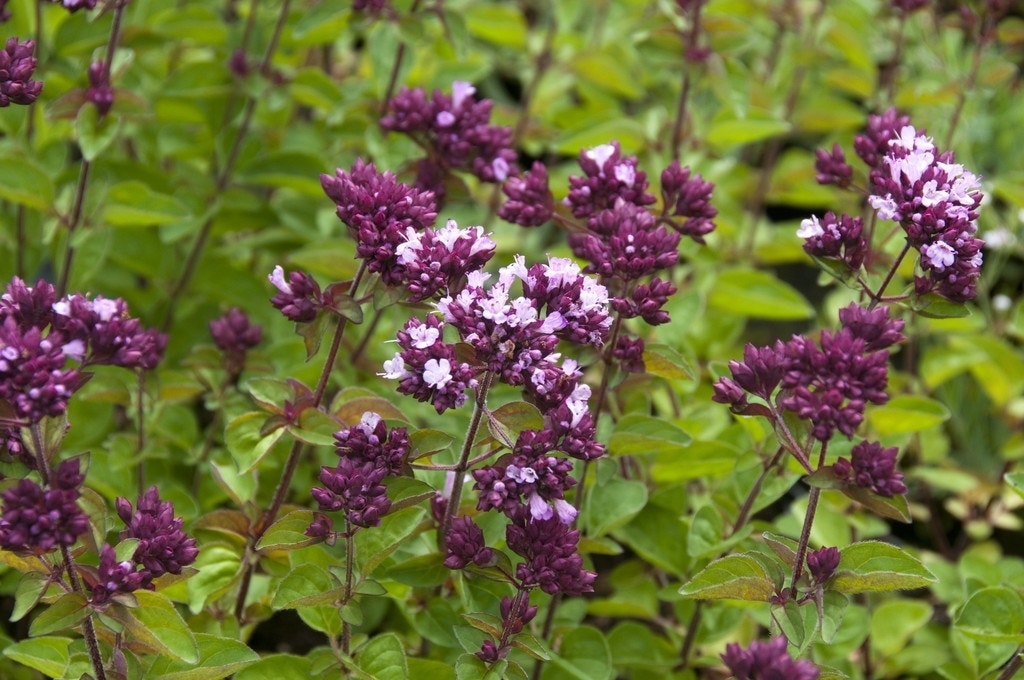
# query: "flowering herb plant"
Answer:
x=467 y=339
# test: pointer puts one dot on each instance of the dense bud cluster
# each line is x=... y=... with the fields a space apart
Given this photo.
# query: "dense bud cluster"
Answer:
x=38 y=520
x=16 y=68
x=767 y=661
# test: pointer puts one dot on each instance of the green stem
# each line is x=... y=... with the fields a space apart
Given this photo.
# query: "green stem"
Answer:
x=350 y=547
x=479 y=409
x=396 y=67
x=73 y=222
x=88 y=628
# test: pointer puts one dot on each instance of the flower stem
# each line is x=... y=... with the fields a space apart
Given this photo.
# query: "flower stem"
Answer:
x=805 y=533
x=877 y=297
x=479 y=409
x=396 y=67
x=350 y=547
x=88 y=628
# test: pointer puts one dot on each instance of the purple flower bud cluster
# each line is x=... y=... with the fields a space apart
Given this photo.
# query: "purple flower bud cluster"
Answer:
x=872 y=467
x=936 y=202
x=828 y=383
x=551 y=560
x=832 y=167
x=100 y=93
x=299 y=297
x=436 y=259
x=529 y=478
x=608 y=179
x=767 y=661
x=113 y=578
x=234 y=334
x=37 y=520
x=822 y=564
x=530 y=203
x=367 y=453
x=625 y=242
x=455 y=131
x=516 y=612
x=16 y=67
x=835 y=238
x=872 y=145
x=465 y=545
x=164 y=547
x=688 y=197
x=39 y=333
x=379 y=211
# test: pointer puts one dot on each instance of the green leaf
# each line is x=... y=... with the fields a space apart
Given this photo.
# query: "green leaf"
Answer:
x=219 y=568
x=422 y=571
x=218 y=658
x=288 y=532
x=30 y=590
x=426 y=442
x=134 y=204
x=759 y=295
x=833 y=611
x=157 y=623
x=287 y=169
x=190 y=23
x=506 y=422
x=373 y=547
x=734 y=577
x=48 y=655
x=582 y=654
x=350 y=405
x=696 y=460
x=319 y=25
x=499 y=24
x=66 y=612
x=658 y=536
x=95 y=134
x=1015 y=480
x=994 y=614
x=326 y=619
x=932 y=306
x=665 y=362
x=636 y=645
x=733 y=132
x=873 y=566
x=906 y=413
x=24 y=182
x=428 y=669
x=893 y=623
x=895 y=507
x=245 y=443
x=277 y=667
x=590 y=133
x=307 y=585
x=608 y=71
x=707 y=530
x=383 y=657
x=637 y=434
x=613 y=504
x=470 y=667
x=799 y=623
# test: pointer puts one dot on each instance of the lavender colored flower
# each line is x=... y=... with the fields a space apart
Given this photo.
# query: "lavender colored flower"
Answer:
x=465 y=545
x=355 y=487
x=164 y=547
x=527 y=478
x=872 y=467
x=530 y=203
x=873 y=144
x=427 y=367
x=548 y=547
x=456 y=130
x=100 y=93
x=16 y=68
x=832 y=167
x=234 y=334
x=372 y=441
x=378 y=211
x=689 y=197
x=835 y=238
x=822 y=564
x=608 y=179
x=435 y=259
x=558 y=288
x=38 y=521
x=33 y=379
x=75 y=5
x=831 y=384
x=299 y=297
x=107 y=333
x=574 y=427
x=113 y=577
x=767 y=661
x=626 y=243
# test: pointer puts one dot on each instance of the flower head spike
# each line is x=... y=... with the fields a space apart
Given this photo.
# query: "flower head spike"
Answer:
x=767 y=661
x=164 y=547
x=608 y=178
x=690 y=197
x=17 y=64
x=872 y=467
x=100 y=93
x=298 y=297
x=530 y=203
x=37 y=520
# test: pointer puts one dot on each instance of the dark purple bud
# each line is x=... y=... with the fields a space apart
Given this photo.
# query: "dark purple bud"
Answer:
x=299 y=297
x=16 y=68
x=100 y=93
x=767 y=661
x=872 y=467
x=530 y=203
x=832 y=167
x=689 y=197
x=822 y=564
x=465 y=545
